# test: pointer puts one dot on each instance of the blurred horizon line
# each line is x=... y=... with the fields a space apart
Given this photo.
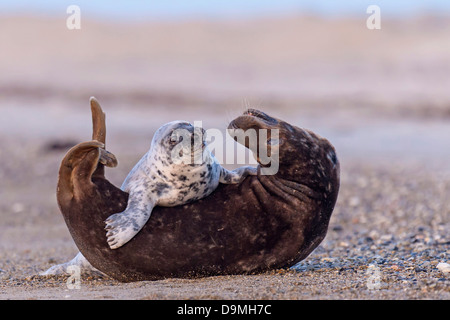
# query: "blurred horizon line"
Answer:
x=136 y=10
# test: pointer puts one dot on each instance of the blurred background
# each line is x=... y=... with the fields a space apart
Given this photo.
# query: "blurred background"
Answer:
x=382 y=97
x=313 y=62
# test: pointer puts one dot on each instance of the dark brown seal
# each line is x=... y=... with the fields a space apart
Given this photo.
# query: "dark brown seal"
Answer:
x=265 y=222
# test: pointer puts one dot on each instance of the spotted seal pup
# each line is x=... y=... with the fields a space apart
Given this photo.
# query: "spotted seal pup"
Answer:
x=178 y=168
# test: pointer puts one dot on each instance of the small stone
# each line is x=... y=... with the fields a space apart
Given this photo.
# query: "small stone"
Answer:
x=386 y=237
x=354 y=202
x=443 y=267
x=426 y=264
x=344 y=244
x=18 y=207
x=395 y=267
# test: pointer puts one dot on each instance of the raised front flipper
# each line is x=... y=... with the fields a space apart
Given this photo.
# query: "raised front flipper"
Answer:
x=122 y=227
x=237 y=175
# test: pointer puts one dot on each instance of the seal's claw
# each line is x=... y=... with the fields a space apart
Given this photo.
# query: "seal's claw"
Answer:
x=112 y=243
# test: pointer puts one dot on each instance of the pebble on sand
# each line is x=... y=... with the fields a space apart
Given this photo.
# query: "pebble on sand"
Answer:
x=443 y=267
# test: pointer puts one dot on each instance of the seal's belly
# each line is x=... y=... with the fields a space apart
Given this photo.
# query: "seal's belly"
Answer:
x=190 y=186
x=185 y=194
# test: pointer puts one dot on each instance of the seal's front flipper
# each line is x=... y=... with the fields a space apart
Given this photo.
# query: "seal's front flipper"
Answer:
x=122 y=227
x=237 y=175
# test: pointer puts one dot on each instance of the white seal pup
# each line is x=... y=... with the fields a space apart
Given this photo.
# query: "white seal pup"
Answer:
x=177 y=169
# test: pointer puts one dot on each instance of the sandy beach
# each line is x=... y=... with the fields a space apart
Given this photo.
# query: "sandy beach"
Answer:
x=381 y=97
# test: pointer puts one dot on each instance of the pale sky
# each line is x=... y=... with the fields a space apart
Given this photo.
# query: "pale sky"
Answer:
x=167 y=9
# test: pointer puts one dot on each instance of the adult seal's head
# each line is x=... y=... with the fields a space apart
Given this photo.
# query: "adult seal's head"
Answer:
x=292 y=154
x=266 y=221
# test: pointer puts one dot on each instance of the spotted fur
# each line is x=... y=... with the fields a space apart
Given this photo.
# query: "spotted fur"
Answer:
x=159 y=180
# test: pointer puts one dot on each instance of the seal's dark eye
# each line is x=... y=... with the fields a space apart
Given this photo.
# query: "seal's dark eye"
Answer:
x=173 y=139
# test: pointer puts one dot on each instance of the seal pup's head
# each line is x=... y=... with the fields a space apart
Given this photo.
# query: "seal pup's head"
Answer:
x=302 y=155
x=178 y=143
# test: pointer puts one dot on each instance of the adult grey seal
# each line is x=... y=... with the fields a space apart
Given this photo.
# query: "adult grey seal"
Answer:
x=264 y=222
x=177 y=169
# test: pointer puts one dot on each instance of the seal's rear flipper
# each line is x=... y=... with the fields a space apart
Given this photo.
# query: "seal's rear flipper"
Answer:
x=98 y=121
x=99 y=134
x=77 y=167
x=86 y=159
x=79 y=262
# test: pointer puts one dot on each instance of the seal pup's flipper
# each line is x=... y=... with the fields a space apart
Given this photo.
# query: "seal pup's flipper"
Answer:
x=122 y=227
x=79 y=262
x=237 y=175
